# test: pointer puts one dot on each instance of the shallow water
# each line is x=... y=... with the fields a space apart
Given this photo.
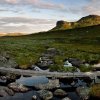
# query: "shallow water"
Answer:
x=31 y=81
x=28 y=96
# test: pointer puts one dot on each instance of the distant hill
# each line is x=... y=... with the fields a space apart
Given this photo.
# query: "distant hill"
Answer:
x=12 y=34
x=3 y=34
x=83 y=22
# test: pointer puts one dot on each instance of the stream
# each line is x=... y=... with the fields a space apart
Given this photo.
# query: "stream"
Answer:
x=31 y=81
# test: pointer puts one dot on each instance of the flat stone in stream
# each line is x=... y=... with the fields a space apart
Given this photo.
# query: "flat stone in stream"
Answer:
x=50 y=85
x=32 y=81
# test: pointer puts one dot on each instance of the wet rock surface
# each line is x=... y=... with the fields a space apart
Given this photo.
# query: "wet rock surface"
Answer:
x=7 y=78
x=45 y=94
x=60 y=93
x=5 y=91
x=66 y=98
x=83 y=92
x=18 y=87
x=50 y=85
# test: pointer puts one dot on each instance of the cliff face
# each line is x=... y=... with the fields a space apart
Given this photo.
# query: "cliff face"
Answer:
x=83 y=22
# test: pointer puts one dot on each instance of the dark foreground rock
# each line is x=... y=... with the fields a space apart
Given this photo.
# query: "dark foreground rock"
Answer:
x=83 y=92
x=50 y=85
x=18 y=87
x=45 y=95
x=60 y=93
x=7 y=78
x=5 y=91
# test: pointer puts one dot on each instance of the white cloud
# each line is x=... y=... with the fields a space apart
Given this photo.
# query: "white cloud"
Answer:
x=23 y=24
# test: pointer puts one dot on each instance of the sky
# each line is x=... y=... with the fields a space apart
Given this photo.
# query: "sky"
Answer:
x=30 y=16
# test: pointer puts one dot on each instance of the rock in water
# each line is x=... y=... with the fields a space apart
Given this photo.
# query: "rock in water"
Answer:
x=5 y=91
x=18 y=87
x=32 y=81
x=34 y=97
x=45 y=94
x=60 y=93
x=83 y=92
x=66 y=98
x=50 y=85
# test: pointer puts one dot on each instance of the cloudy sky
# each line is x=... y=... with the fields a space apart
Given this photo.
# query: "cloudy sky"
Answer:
x=31 y=16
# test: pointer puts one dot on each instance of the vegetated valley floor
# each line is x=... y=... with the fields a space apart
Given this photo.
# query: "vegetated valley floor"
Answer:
x=82 y=43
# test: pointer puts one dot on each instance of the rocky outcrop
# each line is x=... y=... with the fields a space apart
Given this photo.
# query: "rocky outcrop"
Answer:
x=83 y=22
x=5 y=91
x=60 y=93
x=45 y=94
x=48 y=86
x=18 y=87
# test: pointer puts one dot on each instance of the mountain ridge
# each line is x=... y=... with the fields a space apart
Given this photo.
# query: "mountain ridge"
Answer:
x=89 y=20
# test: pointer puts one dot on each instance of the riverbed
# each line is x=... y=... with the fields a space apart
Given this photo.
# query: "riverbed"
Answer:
x=31 y=81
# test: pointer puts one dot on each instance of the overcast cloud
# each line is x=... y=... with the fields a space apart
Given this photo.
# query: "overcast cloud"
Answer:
x=41 y=15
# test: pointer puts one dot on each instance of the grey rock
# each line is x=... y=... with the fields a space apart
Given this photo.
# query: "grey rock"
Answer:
x=50 y=85
x=34 y=97
x=66 y=98
x=83 y=92
x=45 y=94
x=18 y=87
x=60 y=92
x=5 y=91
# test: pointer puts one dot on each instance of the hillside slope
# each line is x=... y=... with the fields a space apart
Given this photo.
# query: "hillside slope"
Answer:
x=82 y=43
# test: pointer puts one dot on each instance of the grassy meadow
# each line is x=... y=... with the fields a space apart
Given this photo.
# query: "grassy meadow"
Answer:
x=82 y=43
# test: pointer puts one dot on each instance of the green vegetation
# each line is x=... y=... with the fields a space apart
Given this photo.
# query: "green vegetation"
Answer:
x=81 y=43
x=95 y=90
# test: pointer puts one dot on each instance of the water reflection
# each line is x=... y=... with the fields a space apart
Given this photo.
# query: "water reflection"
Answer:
x=31 y=81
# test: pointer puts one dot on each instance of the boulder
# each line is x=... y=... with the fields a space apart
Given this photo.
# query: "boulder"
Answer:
x=3 y=79
x=45 y=94
x=32 y=81
x=8 y=78
x=66 y=98
x=12 y=77
x=17 y=87
x=34 y=97
x=60 y=93
x=75 y=62
x=52 y=51
x=83 y=92
x=50 y=85
x=6 y=61
x=5 y=91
